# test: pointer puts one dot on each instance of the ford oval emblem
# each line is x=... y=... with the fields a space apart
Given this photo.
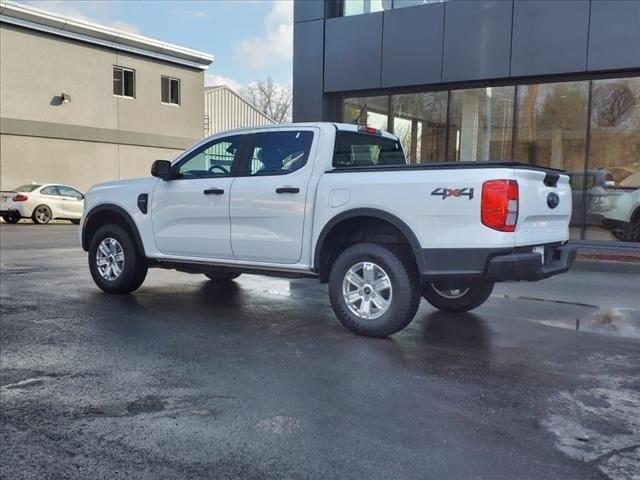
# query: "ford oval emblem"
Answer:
x=553 y=200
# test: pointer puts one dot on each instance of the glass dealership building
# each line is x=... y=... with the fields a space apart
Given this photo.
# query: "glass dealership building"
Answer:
x=546 y=82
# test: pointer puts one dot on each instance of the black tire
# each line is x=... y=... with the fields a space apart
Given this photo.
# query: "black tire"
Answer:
x=476 y=295
x=41 y=215
x=11 y=218
x=630 y=232
x=404 y=296
x=222 y=277
x=135 y=265
x=75 y=221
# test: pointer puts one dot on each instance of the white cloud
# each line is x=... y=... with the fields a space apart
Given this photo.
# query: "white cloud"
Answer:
x=276 y=45
x=125 y=26
x=88 y=11
x=213 y=79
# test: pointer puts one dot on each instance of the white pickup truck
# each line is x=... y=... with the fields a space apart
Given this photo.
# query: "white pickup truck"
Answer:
x=337 y=202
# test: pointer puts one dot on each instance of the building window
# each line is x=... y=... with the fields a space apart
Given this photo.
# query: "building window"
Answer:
x=419 y=120
x=551 y=131
x=124 y=82
x=612 y=194
x=480 y=124
x=413 y=3
x=551 y=125
x=170 y=90
x=372 y=111
x=356 y=7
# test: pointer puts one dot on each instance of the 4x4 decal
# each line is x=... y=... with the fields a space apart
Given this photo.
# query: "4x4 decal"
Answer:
x=453 y=192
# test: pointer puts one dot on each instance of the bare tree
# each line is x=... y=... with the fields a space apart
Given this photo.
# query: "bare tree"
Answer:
x=611 y=103
x=272 y=99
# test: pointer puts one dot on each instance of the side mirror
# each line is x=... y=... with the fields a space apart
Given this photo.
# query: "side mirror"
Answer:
x=161 y=169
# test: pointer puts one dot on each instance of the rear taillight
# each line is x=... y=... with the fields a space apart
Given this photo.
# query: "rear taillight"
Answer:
x=20 y=198
x=499 y=208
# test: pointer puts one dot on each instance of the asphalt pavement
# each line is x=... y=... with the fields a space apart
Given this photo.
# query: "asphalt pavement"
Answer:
x=258 y=380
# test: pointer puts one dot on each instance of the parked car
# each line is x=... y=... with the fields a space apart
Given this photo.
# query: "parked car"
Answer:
x=619 y=206
x=340 y=203
x=581 y=183
x=611 y=206
x=42 y=203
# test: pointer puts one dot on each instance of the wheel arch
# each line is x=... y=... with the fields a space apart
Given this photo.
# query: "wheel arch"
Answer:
x=322 y=257
x=109 y=213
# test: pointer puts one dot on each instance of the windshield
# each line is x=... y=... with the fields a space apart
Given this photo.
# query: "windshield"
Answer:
x=26 y=188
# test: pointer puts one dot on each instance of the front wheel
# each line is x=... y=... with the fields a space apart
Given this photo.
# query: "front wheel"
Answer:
x=374 y=290
x=457 y=298
x=115 y=263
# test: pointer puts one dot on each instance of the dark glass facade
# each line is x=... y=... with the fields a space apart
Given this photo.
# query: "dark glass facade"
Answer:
x=549 y=83
x=547 y=124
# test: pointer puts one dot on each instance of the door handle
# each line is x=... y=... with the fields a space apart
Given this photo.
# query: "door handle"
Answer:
x=213 y=191
x=287 y=190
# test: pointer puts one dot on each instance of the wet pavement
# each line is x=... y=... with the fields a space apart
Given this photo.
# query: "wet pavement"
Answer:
x=259 y=380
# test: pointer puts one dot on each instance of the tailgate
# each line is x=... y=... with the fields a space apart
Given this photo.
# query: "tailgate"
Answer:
x=544 y=207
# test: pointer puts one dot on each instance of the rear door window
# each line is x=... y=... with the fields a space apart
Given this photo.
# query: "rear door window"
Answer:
x=279 y=153
x=52 y=190
x=69 y=192
x=365 y=150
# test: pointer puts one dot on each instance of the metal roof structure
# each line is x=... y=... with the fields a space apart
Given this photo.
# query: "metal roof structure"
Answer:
x=225 y=109
x=52 y=23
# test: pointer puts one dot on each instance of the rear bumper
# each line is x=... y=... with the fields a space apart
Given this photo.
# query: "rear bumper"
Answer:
x=494 y=265
x=528 y=266
x=8 y=210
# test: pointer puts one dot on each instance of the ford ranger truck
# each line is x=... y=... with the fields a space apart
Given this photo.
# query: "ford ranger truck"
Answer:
x=339 y=203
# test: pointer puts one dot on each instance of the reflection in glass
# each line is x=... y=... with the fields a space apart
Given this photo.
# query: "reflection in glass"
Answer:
x=372 y=111
x=419 y=120
x=412 y=3
x=356 y=7
x=480 y=124
x=613 y=194
x=551 y=131
x=551 y=125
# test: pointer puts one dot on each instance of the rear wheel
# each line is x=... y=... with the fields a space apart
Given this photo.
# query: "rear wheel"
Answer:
x=115 y=263
x=457 y=298
x=41 y=215
x=11 y=217
x=221 y=277
x=374 y=290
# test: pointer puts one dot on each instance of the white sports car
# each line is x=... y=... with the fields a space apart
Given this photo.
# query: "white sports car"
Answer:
x=42 y=203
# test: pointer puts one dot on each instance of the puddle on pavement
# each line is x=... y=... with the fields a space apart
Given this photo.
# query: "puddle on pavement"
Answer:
x=271 y=286
x=622 y=322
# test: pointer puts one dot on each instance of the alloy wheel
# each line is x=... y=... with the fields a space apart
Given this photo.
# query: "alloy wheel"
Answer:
x=367 y=290
x=110 y=259
x=43 y=214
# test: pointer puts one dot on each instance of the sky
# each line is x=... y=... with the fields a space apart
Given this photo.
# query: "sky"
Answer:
x=250 y=39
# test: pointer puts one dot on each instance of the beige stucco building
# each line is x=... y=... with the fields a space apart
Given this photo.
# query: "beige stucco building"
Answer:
x=81 y=103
